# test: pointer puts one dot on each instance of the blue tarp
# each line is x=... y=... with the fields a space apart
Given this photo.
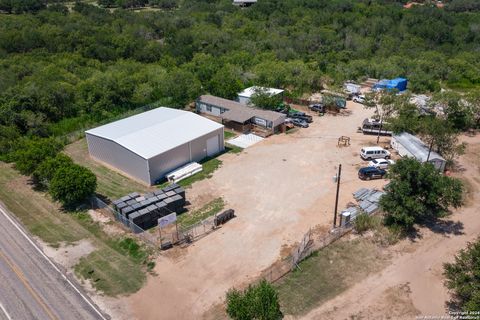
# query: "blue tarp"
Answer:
x=399 y=84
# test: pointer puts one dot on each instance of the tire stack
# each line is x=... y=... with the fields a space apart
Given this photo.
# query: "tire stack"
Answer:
x=144 y=211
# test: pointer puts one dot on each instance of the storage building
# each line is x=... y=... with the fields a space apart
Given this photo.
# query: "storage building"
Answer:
x=149 y=145
x=245 y=96
x=238 y=116
x=410 y=146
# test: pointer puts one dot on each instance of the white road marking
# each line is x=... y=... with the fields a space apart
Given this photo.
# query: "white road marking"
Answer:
x=51 y=263
x=5 y=312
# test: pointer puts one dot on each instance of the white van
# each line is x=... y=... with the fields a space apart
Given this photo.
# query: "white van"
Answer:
x=369 y=153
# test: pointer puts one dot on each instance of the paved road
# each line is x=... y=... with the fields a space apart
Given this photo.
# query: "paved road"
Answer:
x=33 y=287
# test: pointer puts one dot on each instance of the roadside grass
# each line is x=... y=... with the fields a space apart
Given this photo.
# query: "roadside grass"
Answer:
x=35 y=210
x=327 y=273
x=189 y=218
x=117 y=266
x=109 y=182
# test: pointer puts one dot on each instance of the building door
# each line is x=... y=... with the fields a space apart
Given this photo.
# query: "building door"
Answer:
x=213 y=146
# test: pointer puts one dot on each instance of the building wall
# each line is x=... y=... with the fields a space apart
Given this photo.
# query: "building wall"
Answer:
x=195 y=150
x=209 y=109
x=119 y=157
x=165 y=162
x=244 y=100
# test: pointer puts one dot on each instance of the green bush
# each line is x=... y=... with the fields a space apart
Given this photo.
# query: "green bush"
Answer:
x=418 y=192
x=72 y=184
x=463 y=278
x=256 y=302
x=31 y=152
x=46 y=170
x=365 y=222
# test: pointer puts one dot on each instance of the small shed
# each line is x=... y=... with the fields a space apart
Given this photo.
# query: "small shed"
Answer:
x=245 y=96
x=408 y=145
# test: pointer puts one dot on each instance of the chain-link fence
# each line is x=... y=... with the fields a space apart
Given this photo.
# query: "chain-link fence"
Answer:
x=148 y=237
x=155 y=237
x=305 y=248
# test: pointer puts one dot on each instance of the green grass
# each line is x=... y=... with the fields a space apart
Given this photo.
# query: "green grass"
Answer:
x=208 y=210
x=229 y=135
x=109 y=183
x=117 y=266
x=230 y=148
x=327 y=273
x=209 y=166
x=36 y=211
x=111 y=273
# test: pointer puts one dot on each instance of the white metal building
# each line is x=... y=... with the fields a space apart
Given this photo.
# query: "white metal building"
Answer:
x=245 y=95
x=149 y=145
x=410 y=146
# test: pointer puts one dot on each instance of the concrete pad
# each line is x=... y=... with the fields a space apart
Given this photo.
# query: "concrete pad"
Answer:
x=245 y=140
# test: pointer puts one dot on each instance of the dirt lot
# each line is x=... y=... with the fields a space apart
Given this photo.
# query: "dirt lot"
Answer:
x=418 y=266
x=279 y=188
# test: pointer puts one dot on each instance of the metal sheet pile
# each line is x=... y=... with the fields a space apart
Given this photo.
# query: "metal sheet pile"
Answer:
x=368 y=202
x=145 y=210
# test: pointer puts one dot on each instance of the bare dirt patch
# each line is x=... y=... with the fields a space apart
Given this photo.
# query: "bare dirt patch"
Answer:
x=419 y=263
x=279 y=188
x=68 y=255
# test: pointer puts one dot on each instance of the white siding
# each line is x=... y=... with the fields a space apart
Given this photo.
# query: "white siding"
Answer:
x=244 y=100
x=119 y=157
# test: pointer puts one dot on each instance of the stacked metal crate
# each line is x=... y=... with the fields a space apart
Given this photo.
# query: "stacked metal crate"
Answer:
x=145 y=210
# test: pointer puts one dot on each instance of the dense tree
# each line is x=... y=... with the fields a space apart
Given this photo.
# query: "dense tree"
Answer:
x=72 y=184
x=64 y=70
x=48 y=167
x=226 y=82
x=463 y=279
x=259 y=301
x=264 y=100
x=416 y=192
x=31 y=152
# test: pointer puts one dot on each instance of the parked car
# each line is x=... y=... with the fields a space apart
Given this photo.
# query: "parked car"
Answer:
x=368 y=173
x=302 y=116
x=283 y=110
x=317 y=107
x=300 y=123
x=370 y=153
x=293 y=114
x=381 y=163
x=359 y=98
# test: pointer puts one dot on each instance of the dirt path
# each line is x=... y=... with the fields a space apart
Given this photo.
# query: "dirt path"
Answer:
x=418 y=266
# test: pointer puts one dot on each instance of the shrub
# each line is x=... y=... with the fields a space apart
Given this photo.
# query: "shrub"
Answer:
x=72 y=184
x=31 y=152
x=365 y=222
x=46 y=170
x=463 y=278
x=256 y=302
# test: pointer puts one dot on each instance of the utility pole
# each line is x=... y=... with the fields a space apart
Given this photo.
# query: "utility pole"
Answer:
x=336 y=197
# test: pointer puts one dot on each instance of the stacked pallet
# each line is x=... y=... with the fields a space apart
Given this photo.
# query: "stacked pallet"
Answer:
x=144 y=211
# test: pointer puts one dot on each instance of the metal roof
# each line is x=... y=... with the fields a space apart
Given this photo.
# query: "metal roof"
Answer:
x=156 y=131
x=251 y=91
x=416 y=147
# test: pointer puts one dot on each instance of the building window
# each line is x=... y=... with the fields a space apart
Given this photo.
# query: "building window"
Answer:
x=209 y=108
